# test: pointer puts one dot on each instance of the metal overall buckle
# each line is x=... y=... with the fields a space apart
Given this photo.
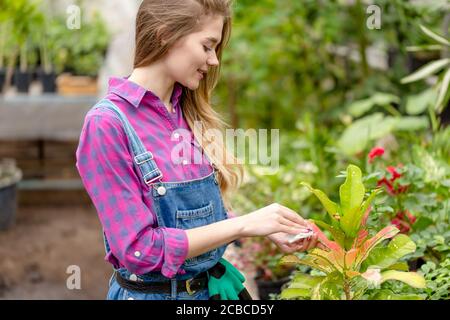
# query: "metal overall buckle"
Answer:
x=188 y=287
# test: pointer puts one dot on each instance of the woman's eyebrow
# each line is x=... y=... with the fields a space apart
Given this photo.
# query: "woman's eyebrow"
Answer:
x=212 y=39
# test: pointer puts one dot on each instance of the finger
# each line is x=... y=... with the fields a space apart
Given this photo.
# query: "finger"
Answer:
x=289 y=230
x=293 y=225
x=240 y=277
x=292 y=216
x=231 y=294
x=287 y=249
x=302 y=246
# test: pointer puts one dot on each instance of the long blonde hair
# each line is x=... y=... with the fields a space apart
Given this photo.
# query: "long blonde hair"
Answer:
x=159 y=24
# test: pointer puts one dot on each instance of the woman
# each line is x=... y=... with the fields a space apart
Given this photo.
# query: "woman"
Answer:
x=164 y=218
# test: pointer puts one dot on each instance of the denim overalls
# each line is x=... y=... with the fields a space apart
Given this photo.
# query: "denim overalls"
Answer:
x=183 y=205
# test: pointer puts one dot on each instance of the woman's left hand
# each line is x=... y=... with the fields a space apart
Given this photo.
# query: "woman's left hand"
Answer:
x=281 y=240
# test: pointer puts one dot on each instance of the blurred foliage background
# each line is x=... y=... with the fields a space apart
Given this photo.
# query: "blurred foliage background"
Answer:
x=336 y=88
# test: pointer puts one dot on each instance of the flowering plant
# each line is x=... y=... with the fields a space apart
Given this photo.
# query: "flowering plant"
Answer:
x=390 y=179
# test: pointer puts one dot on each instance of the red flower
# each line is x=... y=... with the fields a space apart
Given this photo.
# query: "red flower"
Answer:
x=390 y=183
x=411 y=217
x=401 y=225
x=375 y=152
x=402 y=222
x=393 y=171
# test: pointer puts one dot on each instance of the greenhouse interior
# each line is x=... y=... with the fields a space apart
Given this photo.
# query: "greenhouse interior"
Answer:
x=335 y=124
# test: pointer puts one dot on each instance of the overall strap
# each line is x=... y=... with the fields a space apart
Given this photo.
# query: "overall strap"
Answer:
x=141 y=156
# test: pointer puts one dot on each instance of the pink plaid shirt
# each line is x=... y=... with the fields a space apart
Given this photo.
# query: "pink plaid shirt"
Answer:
x=106 y=168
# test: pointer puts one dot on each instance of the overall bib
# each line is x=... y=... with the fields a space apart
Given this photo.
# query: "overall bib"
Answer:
x=183 y=205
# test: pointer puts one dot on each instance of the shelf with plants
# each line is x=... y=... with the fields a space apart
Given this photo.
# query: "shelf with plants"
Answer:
x=42 y=47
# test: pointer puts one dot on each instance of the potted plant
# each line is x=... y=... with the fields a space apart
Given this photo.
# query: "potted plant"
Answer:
x=24 y=16
x=47 y=39
x=355 y=261
x=10 y=175
x=4 y=32
x=82 y=53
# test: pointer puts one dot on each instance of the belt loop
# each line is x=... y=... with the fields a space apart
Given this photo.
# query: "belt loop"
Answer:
x=173 y=285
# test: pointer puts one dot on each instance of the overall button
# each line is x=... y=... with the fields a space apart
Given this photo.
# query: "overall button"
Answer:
x=137 y=254
x=133 y=277
x=176 y=135
x=161 y=190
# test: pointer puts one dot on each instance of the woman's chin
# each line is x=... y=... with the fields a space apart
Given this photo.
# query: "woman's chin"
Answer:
x=193 y=85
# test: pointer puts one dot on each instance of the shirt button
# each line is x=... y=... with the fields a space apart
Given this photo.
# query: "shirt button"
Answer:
x=176 y=135
x=133 y=277
x=137 y=254
x=161 y=190
x=185 y=162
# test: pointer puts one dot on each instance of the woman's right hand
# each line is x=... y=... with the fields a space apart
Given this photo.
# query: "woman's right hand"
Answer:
x=272 y=219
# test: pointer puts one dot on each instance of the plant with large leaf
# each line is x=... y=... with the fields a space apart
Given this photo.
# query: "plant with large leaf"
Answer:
x=353 y=261
x=440 y=92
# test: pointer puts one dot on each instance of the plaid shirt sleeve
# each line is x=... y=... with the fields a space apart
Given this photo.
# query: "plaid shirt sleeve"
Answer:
x=106 y=169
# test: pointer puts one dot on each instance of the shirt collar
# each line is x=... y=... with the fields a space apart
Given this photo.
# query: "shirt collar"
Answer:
x=134 y=93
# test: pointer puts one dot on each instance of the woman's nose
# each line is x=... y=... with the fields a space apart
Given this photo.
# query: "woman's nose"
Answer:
x=212 y=60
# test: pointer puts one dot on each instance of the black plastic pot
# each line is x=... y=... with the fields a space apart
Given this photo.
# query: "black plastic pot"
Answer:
x=22 y=81
x=267 y=287
x=8 y=208
x=2 y=79
x=48 y=81
x=392 y=55
x=415 y=264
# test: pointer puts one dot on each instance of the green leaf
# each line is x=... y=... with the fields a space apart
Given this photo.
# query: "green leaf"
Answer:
x=443 y=90
x=412 y=123
x=400 y=266
x=422 y=223
x=295 y=293
x=418 y=103
x=368 y=245
x=359 y=107
x=426 y=70
x=426 y=47
x=328 y=289
x=357 y=136
x=330 y=206
x=411 y=278
x=385 y=257
x=389 y=295
x=305 y=281
x=370 y=199
x=351 y=194
x=435 y=36
x=290 y=260
x=383 y=99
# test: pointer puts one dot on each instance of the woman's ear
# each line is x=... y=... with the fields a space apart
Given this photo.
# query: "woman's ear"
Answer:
x=160 y=35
